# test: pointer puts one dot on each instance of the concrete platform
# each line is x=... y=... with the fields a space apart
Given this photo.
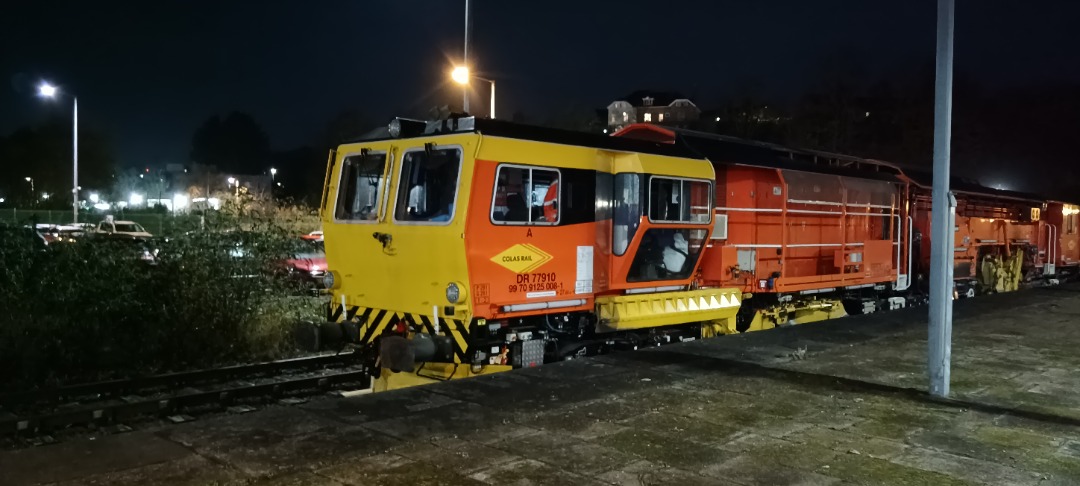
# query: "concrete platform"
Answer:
x=818 y=404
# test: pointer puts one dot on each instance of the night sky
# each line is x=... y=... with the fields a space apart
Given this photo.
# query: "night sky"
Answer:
x=148 y=73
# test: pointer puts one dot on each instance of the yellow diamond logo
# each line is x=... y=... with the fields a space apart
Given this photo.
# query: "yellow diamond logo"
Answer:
x=522 y=258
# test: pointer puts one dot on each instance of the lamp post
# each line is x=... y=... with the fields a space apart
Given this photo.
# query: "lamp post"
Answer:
x=31 y=181
x=273 y=174
x=47 y=90
x=942 y=212
x=465 y=58
x=461 y=75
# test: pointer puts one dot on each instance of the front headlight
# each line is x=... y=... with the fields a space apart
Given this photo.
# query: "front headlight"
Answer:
x=453 y=293
x=328 y=280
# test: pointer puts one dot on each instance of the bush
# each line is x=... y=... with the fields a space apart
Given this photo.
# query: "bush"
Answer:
x=93 y=310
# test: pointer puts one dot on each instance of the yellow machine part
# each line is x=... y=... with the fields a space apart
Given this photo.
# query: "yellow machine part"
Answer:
x=1002 y=274
x=637 y=311
x=429 y=373
x=797 y=312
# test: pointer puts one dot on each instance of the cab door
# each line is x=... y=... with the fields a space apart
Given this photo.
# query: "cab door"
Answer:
x=354 y=222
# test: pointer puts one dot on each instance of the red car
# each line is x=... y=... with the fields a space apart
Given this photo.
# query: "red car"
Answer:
x=309 y=265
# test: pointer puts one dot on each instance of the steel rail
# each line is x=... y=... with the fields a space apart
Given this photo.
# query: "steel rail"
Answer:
x=104 y=389
x=117 y=411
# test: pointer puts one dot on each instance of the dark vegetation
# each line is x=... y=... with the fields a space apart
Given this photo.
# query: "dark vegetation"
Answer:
x=97 y=309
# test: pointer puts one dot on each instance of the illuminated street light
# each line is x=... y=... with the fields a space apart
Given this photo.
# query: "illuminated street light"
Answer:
x=94 y=198
x=273 y=174
x=135 y=199
x=232 y=180
x=461 y=75
x=45 y=196
x=47 y=90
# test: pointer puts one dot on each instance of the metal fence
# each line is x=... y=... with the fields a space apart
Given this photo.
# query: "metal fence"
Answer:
x=155 y=223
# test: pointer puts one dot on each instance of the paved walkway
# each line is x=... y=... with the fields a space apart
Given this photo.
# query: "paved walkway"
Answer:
x=818 y=404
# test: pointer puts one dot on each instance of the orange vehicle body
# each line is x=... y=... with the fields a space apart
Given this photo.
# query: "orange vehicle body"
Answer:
x=802 y=237
x=1063 y=219
x=791 y=231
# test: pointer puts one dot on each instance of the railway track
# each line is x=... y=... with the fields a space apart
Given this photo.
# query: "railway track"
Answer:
x=172 y=395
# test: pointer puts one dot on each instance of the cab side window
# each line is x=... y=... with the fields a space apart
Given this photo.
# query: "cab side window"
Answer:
x=428 y=187
x=361 y=187
x=679 y=200
x=525 y=195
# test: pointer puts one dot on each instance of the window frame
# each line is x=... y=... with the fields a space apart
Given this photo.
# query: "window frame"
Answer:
x=616 y=201
x=379 y=202
x=648 y=200
x=495 y=189
x=457 y=188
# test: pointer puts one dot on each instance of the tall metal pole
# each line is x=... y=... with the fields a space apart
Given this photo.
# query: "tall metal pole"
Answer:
x=465 y=60
x=942 y=236
x=492 y=100
x=75 y=161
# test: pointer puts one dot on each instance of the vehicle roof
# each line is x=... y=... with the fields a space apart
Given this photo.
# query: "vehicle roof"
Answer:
x=733 y=150
x=723 y=148
x=505 y=129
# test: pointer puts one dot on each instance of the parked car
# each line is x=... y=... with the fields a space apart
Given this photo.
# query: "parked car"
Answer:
x=54 y=233
x=308 y=265
x=140 y=249
x=122 y=228
x=26 y=235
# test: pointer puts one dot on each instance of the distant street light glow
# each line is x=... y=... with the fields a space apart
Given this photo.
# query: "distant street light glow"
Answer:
x=47 y=90
x=460 y=75
x=94 y=198
x=232 y=180
x=135 y=199
x=180 y=201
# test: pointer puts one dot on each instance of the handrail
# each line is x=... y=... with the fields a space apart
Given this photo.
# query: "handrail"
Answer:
x=911 y=234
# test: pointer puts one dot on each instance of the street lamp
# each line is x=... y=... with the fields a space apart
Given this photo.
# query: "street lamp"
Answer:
x=273 y=174
x=461 y=75
x=47 y=90
x=235 y=182
x=31 y=181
